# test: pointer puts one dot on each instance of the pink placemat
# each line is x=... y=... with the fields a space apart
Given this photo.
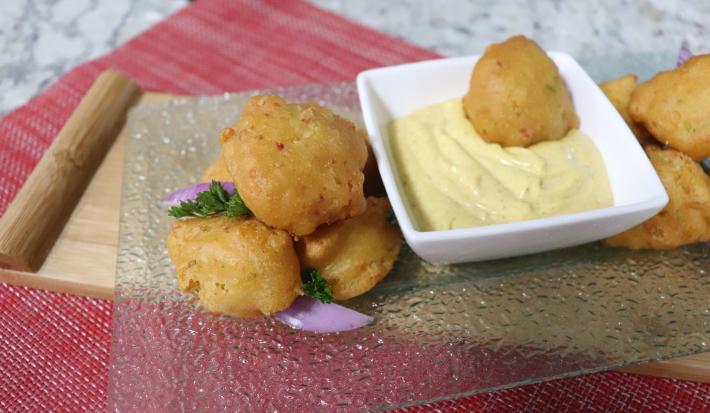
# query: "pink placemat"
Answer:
x=54 y=347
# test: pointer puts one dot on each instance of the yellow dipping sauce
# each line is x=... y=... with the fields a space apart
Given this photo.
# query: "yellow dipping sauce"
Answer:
x=452 y=178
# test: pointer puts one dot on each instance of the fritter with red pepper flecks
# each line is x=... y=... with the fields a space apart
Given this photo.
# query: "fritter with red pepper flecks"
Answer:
x=517 y=96
x=238 y=266
x=674 y=106
x=297 y=166
x=619 y=93
x=686 y=218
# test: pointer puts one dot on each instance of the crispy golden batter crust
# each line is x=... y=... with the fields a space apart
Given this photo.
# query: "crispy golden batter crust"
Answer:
x=355 y=254
x=619 y=93
x=673 y=107
x=296 y=166
x=217 y=171
x=517 y=96
x=239 y=266
x=686 y=218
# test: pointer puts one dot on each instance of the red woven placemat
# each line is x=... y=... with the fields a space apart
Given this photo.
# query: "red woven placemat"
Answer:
x=54 y=347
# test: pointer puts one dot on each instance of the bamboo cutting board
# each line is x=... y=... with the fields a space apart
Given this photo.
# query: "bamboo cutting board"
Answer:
x=83 y=259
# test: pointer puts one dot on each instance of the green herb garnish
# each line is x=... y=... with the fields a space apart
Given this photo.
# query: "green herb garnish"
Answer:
x=314 y=285
x=214 y=200
x=236 y=206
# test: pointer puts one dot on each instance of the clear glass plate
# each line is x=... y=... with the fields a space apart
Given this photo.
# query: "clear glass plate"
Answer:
x=439 y=331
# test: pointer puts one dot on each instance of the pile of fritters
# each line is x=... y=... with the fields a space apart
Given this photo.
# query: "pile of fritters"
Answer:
x=670 y=116
x=300 y=170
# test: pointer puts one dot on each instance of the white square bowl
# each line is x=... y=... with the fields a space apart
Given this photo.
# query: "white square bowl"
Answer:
x=392 y=92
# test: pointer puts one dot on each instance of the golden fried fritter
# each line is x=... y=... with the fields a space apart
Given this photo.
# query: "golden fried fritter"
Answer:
x=355 y=254
x=217 y=171
x=297 y=166
x=239 y=266
x=517 y=96
x=673 y=107
x=619 y=93
x=686 y=218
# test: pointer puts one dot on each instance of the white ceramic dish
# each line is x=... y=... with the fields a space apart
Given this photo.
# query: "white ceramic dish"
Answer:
x=392 y=92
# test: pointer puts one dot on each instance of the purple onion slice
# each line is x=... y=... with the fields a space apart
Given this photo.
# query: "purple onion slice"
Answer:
x=684 y=54
x=309 y=314
x=190 y=193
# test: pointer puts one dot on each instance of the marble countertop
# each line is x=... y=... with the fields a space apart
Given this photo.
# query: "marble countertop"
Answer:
x=42 y=39
x=596 y=27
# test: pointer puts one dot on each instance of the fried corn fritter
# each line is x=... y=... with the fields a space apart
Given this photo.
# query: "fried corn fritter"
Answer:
x=619 y=93
x=686 y=218
x=355 y=254
x=238 y=266
x=217 y=171
x=673 y=107
x=297 y=166
x=517 y=96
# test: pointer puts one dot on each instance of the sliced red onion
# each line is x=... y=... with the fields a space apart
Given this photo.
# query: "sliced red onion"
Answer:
x=309 y=314
x=190 y=193
x=684 y=54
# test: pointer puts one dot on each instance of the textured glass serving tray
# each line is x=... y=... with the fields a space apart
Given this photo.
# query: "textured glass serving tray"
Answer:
x=439 y=331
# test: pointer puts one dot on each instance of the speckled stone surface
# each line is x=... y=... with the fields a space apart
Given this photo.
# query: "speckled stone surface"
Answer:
x=592 y=27
x=42 y=39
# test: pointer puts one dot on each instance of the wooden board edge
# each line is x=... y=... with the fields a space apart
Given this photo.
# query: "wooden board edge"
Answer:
x=50 y=281
x=55 y=284
x=692 y=368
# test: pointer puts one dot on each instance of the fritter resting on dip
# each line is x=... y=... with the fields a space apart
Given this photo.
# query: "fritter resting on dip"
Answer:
x=673 y=107
x=686 y=218
x=619 y=93
x=297 y=166
x=517 y=96
x=355 y=254
x=239 y=266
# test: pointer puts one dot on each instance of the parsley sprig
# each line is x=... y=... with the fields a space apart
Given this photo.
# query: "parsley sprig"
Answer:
x=314 y=285
x=215 y=200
